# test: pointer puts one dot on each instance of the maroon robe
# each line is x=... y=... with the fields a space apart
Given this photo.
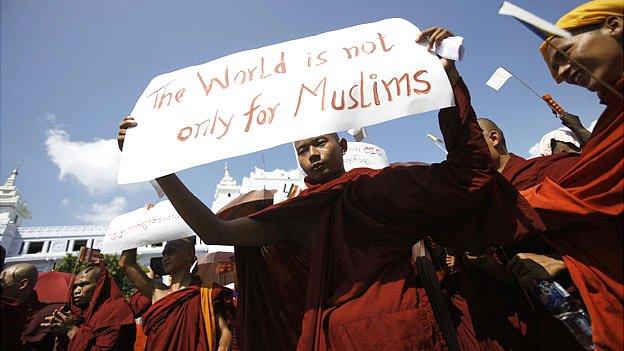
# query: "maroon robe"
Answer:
x=176 y=322
x=107 y=323
x=139 y=304
x=36 y=337
x=503 y=316
x=14 y=316
x=360 y=291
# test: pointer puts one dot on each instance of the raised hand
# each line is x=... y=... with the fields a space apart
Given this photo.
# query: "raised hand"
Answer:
x=61 y=323
x=434 y=36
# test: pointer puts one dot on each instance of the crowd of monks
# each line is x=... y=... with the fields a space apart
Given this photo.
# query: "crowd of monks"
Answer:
x=410 y=257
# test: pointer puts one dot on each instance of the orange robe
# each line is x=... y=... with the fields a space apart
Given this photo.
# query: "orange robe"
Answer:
x=355 y=288
x=177 y=322
x=583 y=212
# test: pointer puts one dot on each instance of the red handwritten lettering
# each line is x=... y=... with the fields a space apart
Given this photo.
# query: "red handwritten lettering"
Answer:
x=323 y=83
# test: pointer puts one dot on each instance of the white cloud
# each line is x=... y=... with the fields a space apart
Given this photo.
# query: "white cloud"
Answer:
x=65 y=202
x=592 y=125
x=103 y=213
x=534 y=151
x=50 y=118
x=93 y=164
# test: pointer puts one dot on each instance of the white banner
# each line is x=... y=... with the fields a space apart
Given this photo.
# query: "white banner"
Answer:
x=144 y=227
x=364 y=155
x=257 y=99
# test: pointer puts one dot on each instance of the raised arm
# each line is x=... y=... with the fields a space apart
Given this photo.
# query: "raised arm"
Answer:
x=133 y=271
x=211 y=229
x=576 y=126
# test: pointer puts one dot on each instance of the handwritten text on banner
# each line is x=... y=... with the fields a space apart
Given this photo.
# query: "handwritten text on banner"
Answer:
x=144 y=227
x=258 y=99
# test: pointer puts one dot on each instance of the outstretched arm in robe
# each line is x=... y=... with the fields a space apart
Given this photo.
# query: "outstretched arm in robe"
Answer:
x=212 y=230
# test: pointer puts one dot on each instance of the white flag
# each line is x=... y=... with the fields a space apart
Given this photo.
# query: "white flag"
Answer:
x=535 y=24
x=499 y=78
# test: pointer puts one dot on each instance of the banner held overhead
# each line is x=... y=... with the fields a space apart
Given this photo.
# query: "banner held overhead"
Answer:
x=257 y=99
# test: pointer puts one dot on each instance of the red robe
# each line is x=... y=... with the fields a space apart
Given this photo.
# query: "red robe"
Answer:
x=139 y=304
x=583 y=212
x=176 y=322
x=107 y=323
x=36 y=337
x=360 y=291
x=503 y=317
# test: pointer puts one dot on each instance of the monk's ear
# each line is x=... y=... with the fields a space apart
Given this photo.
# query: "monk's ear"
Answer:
x=24 y=283
x=343 y=145
x=614 y=24
x=495 y=138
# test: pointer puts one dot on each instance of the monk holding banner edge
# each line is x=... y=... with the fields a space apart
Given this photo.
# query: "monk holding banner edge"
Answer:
x=355 y=231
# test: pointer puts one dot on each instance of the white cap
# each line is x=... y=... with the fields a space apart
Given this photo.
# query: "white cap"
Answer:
x=562 y=134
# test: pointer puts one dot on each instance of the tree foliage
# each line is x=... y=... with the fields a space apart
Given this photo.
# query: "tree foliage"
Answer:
x=69 y=264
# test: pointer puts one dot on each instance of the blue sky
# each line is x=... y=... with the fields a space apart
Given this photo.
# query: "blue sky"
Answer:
x=70 y=70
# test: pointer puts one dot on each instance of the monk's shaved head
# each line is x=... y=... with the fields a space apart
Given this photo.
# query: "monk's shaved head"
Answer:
x=19 y=280
x=188 y=244
x=495 y=140
x=179 y=255
x=25 y=270
x=489 y=126
x=91 y=271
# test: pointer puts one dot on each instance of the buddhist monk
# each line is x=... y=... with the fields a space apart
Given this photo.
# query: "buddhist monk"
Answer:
x=506 y=317
x=183 y=315
x=583 y=208
x=98 y=318
x=350 y=234
x=18 y=282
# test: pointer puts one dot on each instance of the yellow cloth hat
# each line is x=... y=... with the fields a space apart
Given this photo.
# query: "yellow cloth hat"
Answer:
x=588 y=14
x=593 y=12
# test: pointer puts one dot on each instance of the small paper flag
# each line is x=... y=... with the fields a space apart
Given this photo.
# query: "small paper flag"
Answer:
x=536 y=24
x=498 y=78
x=437 y=142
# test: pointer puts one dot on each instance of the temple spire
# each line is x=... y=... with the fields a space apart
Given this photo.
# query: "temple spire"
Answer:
x=227 y=179
x=10 y=182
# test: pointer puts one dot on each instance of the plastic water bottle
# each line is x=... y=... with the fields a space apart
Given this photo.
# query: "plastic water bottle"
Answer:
x=567 y=309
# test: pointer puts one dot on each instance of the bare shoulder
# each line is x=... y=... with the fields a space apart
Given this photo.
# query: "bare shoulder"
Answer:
x=160 y=291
